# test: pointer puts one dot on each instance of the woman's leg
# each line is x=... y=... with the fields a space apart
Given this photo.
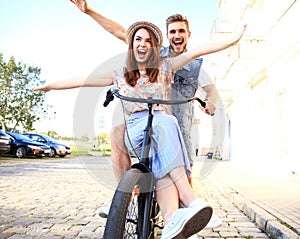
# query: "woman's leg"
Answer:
x=183 y=222
x=185 y=190
x=171 y=189
x=167 y=197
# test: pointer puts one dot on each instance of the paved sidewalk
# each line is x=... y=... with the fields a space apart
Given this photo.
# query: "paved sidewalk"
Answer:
x=60 y=199
x=268 y=195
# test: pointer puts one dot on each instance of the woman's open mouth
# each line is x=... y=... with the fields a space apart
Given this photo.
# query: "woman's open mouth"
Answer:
x=141 y=53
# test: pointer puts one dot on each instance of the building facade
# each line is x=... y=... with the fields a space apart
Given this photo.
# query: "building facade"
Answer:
x=258 y=78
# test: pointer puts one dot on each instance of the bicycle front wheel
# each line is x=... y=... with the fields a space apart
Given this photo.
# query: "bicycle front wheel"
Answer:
x=125 y=219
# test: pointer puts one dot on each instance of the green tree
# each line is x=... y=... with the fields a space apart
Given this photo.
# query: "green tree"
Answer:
x=18 y=104
x=103 y=138
x=52 y=133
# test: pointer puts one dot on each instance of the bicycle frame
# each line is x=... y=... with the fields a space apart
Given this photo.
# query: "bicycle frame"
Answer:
x=143 y=165
x=144 y=160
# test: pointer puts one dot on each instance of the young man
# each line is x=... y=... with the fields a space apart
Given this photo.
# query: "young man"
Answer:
x=186 y=82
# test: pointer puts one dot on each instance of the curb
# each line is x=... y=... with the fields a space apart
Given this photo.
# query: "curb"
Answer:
x=264 y=220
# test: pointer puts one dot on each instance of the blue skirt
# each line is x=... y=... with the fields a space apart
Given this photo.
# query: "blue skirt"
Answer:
x=167 y=150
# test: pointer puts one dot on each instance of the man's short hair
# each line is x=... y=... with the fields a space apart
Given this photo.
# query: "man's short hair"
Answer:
x=177 y=18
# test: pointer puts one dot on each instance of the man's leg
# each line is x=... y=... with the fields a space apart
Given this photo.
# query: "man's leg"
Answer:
x=120 y=158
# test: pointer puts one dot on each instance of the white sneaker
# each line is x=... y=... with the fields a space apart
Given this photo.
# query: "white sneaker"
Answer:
x=186 y=222
x=214 y=221
x=103 y=211
x=193 y=237
x=176 y=223
x=198 y=203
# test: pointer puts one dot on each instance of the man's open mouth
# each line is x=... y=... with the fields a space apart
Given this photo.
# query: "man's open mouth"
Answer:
x=178 y=43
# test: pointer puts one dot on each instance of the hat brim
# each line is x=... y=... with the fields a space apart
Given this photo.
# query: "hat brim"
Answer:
x=148 y=25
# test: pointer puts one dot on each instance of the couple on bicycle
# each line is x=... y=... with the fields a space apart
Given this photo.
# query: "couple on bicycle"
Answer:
x=145 y=74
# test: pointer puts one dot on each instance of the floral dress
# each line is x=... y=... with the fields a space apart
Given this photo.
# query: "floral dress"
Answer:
x=167 y=149
x=145 y=89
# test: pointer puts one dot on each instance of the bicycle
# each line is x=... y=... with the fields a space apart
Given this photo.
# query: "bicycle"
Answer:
x=134 y=212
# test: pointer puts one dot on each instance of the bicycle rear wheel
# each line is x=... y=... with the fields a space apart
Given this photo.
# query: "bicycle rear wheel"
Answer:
x=125 y=219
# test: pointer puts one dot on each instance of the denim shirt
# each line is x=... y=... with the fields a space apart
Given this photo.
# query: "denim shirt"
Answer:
x=185 y=86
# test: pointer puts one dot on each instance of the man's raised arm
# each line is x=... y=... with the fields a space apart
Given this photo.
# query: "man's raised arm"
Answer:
x=109 y=25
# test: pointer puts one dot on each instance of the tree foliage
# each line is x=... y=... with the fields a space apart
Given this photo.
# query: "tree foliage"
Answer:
x=103 y=138
x=19 y=105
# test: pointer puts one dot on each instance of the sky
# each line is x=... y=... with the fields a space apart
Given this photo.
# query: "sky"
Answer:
x=65 y=43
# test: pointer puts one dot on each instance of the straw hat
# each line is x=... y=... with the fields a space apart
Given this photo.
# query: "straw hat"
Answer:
x=148 y=25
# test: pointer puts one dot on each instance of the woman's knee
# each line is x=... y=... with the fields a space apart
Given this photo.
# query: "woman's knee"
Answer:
x=168 y=122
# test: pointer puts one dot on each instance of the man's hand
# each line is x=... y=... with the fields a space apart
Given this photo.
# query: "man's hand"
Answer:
x=210 y=107
x=82 y=5
x=211 y=97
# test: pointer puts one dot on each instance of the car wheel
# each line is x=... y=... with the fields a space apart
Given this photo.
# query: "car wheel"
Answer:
x=52 y=153
x=20 y=152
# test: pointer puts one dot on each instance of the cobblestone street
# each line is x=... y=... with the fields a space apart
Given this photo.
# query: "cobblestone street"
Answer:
x=60 y=199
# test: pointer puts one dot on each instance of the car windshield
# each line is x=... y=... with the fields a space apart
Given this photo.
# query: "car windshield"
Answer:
x=20 y=136
x=2 y=134
x=48 y=138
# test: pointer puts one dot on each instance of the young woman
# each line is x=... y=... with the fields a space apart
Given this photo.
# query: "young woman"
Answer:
x=146 y=75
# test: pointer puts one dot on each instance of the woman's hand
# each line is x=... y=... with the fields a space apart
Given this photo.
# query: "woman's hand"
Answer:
x=44 y=88
x=239 y=34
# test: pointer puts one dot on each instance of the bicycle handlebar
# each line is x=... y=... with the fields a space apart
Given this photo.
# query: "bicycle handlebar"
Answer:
x=115 y=91
x=109 y=97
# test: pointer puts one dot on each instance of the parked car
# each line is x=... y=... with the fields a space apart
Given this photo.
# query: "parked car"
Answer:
x=57 y=148
x=4 y=142
x=22 y=146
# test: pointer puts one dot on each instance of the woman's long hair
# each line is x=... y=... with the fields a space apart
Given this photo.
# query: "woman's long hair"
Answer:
x=131 y=71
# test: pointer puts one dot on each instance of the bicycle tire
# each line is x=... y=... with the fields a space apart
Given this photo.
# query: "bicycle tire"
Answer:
x=125 y=218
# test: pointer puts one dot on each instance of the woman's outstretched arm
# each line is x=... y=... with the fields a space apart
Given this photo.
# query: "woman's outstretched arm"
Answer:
x=186 y=57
